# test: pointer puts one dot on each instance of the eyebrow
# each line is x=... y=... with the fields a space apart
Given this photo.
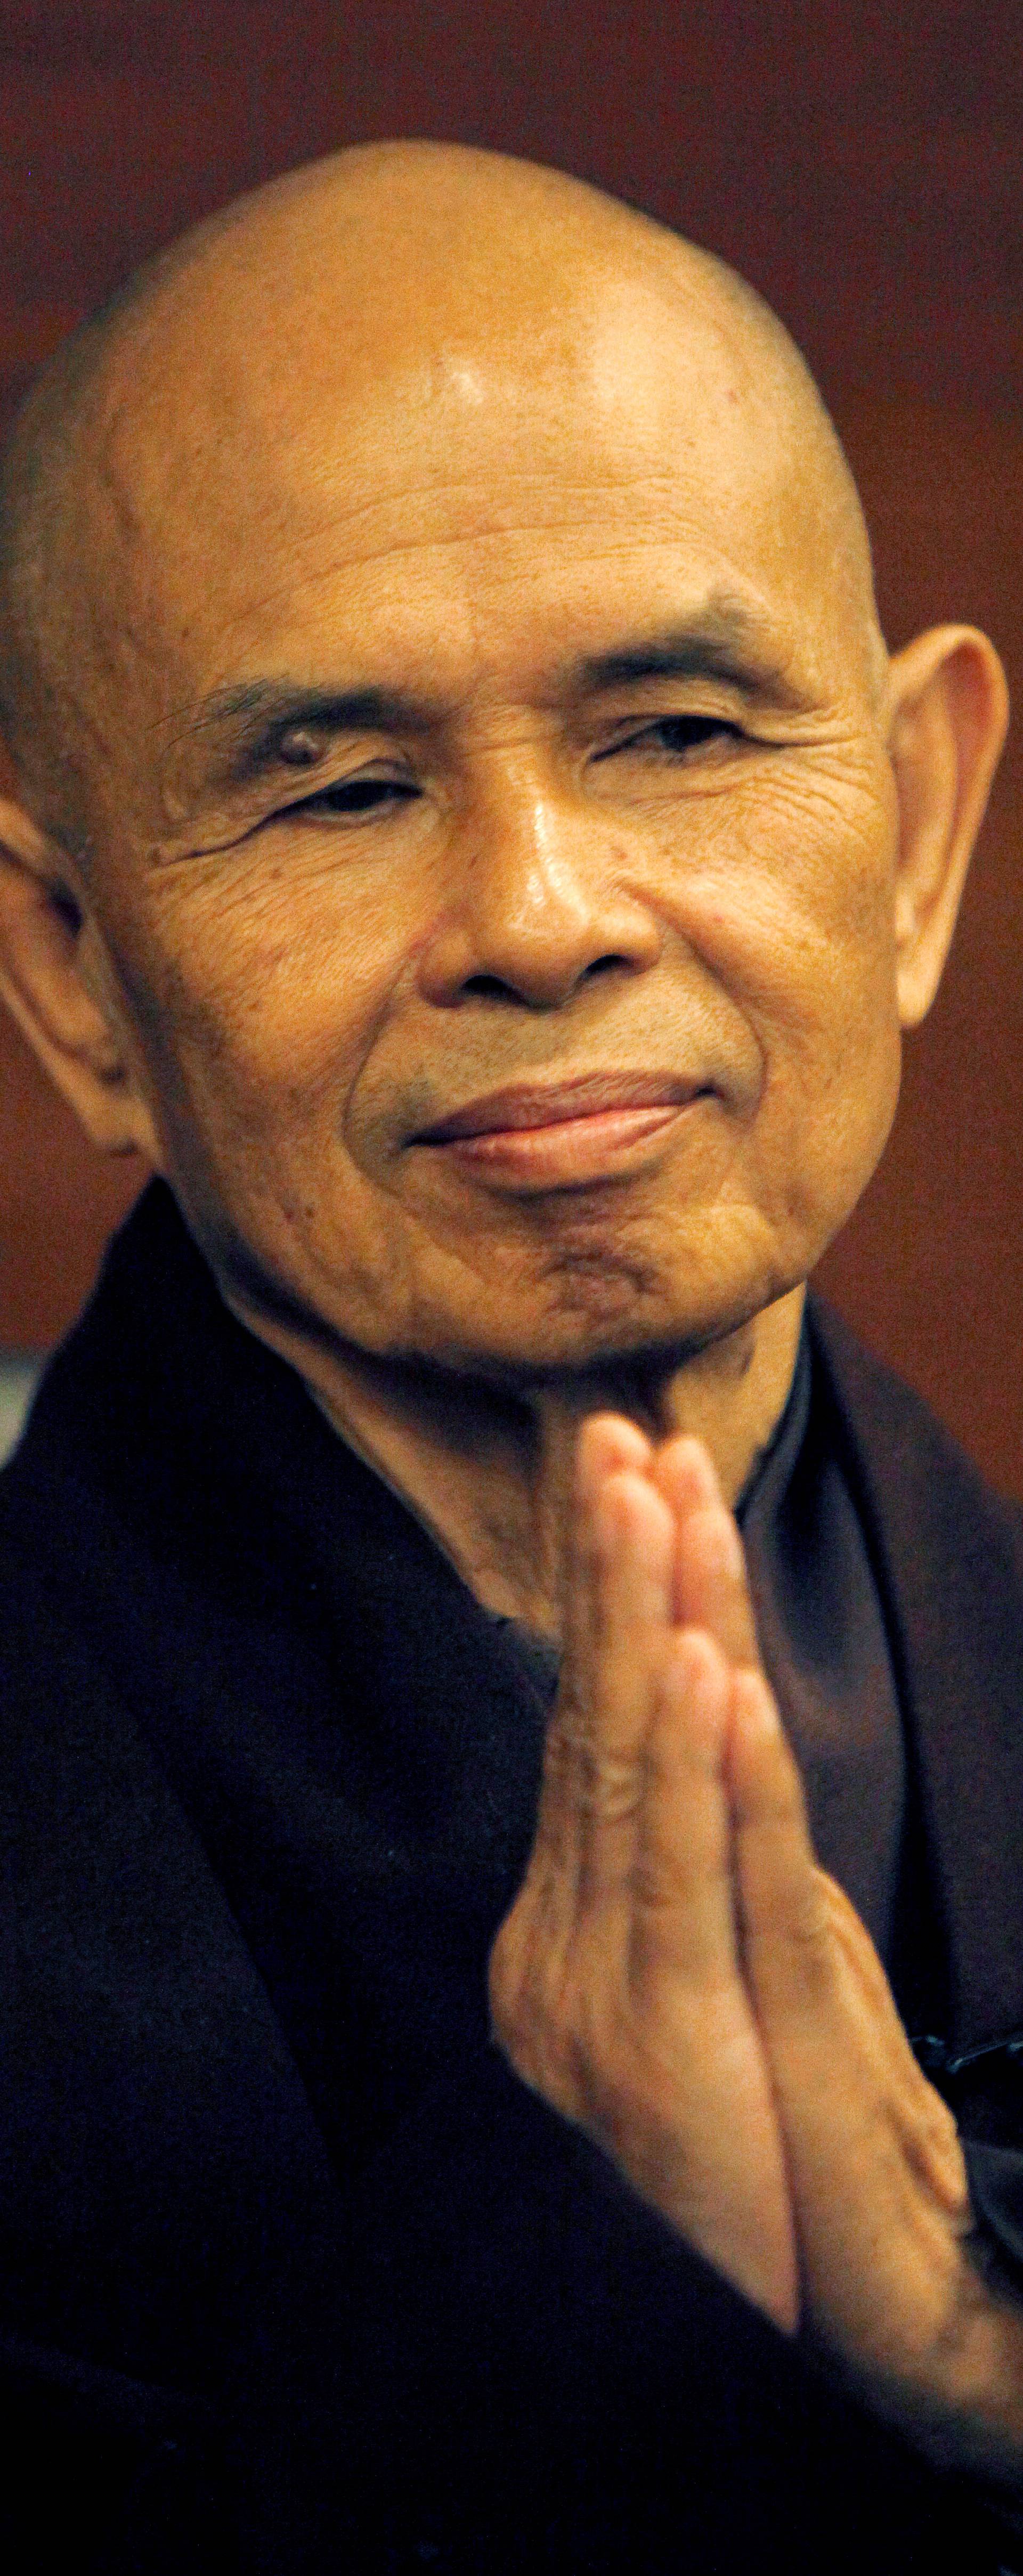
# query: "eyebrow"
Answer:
x=726 y=644
x=252 y=719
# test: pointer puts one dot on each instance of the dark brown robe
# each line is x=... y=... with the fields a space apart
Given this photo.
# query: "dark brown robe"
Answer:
x=294 y=2274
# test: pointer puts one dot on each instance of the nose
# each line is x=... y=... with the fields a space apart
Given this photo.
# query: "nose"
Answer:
x=537 y=910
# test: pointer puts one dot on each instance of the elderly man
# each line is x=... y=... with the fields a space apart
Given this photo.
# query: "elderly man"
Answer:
x=465 y=830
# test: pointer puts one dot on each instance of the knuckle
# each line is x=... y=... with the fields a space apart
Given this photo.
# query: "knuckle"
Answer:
x=837 y=1909
x=808 y=1938
x=610 y=1785
x=802 y=1948
x=602 y=1782
x=559 y=1748
x=529 y=2012
x=654 y=1881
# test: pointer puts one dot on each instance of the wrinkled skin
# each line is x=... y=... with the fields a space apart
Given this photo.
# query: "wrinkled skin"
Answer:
x=483 y=689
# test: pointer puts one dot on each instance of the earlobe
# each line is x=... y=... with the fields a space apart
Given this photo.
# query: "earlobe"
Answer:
x=43 y=985
x=949 y=708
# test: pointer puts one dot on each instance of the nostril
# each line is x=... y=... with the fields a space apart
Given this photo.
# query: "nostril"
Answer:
x=489 y=988
x=607 y=966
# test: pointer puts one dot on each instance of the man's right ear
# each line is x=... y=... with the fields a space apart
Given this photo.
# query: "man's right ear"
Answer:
x=45 y=980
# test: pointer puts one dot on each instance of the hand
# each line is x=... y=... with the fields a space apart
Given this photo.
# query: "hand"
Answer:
x=679 y=1978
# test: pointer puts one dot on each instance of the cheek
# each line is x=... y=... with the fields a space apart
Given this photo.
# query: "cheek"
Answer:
x=264 y=1000
x=791 y=909
x=793 y=913
x=255 y=1029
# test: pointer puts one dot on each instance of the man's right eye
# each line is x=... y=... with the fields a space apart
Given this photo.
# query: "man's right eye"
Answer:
x=352 y=797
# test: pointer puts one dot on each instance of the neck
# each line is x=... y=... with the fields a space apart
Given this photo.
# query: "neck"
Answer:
x=491 y=1475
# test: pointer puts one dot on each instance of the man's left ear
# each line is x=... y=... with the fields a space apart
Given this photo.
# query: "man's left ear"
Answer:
x=949 y=710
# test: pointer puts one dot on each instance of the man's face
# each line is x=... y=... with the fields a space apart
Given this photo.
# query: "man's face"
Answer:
x=502 y=887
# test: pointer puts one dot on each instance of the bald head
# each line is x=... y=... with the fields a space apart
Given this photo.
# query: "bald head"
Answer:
x=392 y=293
x=435 y=605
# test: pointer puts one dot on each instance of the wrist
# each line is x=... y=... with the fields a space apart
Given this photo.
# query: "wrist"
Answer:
x=963 y=2407
x=985 y=2379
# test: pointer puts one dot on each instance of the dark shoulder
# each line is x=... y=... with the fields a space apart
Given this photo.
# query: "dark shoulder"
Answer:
x=915 y=1477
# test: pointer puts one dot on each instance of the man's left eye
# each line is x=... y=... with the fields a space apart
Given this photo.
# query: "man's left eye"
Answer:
x=673 y=736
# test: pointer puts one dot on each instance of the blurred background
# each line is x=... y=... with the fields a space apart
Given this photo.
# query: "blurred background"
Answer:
x=863 y=165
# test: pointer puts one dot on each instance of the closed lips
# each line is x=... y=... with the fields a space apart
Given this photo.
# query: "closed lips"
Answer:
x=523 y=1105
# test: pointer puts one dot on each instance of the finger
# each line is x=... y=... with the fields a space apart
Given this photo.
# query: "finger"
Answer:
x=607 y=1445
x=536 y=1936
x=684 y=1924
x=711 y=1587
x=800 y=1929
x=846 y=2079
x=609 y=1451
x=784 y=1908
x=711 y=1590
x=817 y=1984
x=634 y=1539
x=684 y=1472
x=924 y=2122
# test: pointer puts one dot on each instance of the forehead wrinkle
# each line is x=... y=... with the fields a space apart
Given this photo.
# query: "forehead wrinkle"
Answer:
x=733 y=615
x=505 y=523
x=504 y=518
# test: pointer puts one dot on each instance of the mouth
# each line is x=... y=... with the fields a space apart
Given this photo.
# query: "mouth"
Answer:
x=564 y=1134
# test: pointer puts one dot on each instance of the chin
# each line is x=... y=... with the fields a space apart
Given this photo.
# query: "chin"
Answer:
x=590 y=1317
x=649 y=1298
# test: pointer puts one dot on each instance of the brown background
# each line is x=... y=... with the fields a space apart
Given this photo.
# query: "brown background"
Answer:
x=862 y=164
